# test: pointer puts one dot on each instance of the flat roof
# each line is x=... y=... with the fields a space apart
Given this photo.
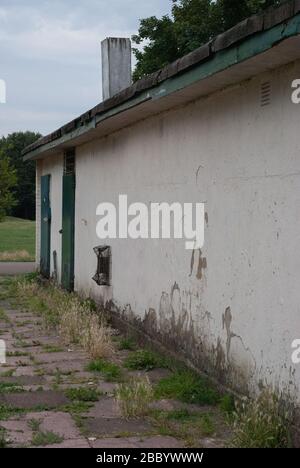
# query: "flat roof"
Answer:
x=252 y=46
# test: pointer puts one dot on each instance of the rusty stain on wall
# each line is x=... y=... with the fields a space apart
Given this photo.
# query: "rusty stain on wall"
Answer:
x=202 y=264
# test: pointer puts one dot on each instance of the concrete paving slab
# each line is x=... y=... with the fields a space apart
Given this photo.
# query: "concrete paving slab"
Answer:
x=23 y=380
x=105 y=408
x=115 y=426
x=27 y=400
x=137 y=442
x=25 y=370
x=71 y=443
x=60 y=423
x=17 y=431
x=64 y=366
x=63 y=356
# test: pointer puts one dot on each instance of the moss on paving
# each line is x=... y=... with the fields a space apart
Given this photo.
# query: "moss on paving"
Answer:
x=188 y=387
x=82 y=394
x=189 y=427
x=110 y=371
x=144 y=359
x=46 y=438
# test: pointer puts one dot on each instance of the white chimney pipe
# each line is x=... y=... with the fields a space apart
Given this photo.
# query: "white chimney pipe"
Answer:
x=116 y=65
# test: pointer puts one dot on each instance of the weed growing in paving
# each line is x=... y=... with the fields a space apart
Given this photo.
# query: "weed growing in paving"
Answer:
x=227 y=404
x=127 y=344
x=187 y=387
x=76 y=320
x=3 y=316
x=134 y=397
x=185 y=425
x=52 y=349
x=96 y=338
x=261 y=423
x=109 y=370
x=34 y=424
x=46 y=438
x=3 y=442
x=82 y=394
x=7 y=373
x=19 y=343
x=16 y=354
x=77 y=407
x=7 y=387
x=144 y=359
x=7 y=411
x=179 y=415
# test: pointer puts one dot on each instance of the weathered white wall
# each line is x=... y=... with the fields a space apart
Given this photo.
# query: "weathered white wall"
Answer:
x=237 y=313
x=54 y=167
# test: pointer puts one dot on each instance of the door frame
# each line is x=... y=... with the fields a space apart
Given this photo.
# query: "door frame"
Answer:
x=68 y=221
x=45 y=239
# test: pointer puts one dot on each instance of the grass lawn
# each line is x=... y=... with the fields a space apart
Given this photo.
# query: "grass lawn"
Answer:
x=17 y=240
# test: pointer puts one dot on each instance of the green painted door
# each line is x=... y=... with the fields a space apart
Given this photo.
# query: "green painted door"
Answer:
x=68 y=215
x=45 y=226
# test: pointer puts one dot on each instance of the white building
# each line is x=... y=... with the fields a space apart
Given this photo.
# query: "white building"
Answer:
x=218 y=126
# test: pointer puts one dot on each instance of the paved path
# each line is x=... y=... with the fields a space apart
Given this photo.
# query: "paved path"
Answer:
x=37 y=408
x=16 y=268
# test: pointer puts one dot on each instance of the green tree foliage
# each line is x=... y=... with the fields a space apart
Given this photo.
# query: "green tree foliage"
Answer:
x=8 y=180
x=191 y=24
x=11 y=147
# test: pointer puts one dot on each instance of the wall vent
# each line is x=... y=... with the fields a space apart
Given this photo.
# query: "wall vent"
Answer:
x=69 y=161
x=265 y=93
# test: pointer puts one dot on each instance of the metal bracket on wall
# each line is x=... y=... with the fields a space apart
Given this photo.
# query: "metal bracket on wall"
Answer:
x=103 y=272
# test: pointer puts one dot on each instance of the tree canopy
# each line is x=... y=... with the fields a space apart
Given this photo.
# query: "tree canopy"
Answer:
x=191 y=24
x=24 y=192
x=8 y=180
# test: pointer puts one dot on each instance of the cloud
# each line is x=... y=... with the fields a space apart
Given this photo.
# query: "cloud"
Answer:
x=50 y=55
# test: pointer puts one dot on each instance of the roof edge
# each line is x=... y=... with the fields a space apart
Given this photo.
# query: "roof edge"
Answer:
x=249 y=27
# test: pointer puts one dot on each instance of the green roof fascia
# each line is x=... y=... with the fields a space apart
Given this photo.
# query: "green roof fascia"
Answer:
x=250 y=47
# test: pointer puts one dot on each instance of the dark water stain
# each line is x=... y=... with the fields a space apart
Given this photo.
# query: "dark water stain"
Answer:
x=206 y=218
x=202 y=265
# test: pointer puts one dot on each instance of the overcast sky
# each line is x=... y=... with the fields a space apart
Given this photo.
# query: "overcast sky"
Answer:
x=50 y=56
